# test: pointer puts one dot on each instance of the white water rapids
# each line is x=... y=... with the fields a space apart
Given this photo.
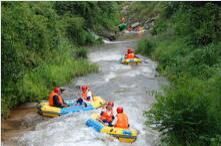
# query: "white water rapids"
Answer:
x=126 y=85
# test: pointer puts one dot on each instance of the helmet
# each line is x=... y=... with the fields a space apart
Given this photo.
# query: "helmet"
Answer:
x=120 y=109
x=110 y=103
x=84 y=87
x=57 y=90
x=130 y=50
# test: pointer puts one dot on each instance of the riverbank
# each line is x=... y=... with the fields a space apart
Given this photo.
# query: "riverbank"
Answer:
x=42 y=46
x=186 y=44
x=21 y=120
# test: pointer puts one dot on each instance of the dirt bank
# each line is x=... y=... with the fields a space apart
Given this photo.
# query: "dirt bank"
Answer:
x=21 y=119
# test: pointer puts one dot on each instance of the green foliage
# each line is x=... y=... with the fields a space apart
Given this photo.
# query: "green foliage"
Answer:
x=76 y=32
x=184 y=112
x=187 y=45
x=142 y=10
x=97 y=15
x=170 y=9
x=28 y=39
x=38 y=84
x=42 y=49
x=161 y=26
x=145 y=47
x=80 y=53
x=197 y=23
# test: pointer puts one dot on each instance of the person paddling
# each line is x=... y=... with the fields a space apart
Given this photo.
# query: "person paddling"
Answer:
x=55 y=98
x=130 y=54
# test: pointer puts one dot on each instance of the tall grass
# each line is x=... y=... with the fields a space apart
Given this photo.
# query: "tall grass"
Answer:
x=39 y=82
x=57 y=71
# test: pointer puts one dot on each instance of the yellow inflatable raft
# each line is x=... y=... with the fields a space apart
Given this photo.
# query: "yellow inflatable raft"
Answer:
x=123 y=135
x=50 y=111
x=131 y=61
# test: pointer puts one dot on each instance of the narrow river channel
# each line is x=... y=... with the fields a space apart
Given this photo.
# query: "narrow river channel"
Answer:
x=126 y=85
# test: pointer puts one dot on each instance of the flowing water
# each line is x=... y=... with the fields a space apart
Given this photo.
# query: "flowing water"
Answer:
x=127 y=85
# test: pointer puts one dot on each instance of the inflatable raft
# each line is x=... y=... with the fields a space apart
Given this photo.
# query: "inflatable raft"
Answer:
x=45 y=109
x=131 y=61
x=123 y=135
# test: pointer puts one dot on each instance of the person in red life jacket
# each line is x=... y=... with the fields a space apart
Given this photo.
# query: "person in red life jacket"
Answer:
x=55 y=98
x=107 y=115
x=130 y=54
x=86 y=96
x=121 y=119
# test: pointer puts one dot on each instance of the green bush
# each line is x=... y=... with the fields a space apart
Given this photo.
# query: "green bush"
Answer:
x=183 y=111
x=145 y=47
x=186 y=44
x=74 y=28
x=160 y=26
x=97 y=15
x=144 y=10
x=80 y=53
x=41 y=46
x=199 y=23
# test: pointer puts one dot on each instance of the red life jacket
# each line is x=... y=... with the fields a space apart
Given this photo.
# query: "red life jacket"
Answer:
x=51 y=100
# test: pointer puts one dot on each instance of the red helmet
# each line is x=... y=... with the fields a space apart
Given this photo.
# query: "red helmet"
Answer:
x=110 y=104
x=130 y=50
x=84 y=87
x=120 y=110
x=57 y=90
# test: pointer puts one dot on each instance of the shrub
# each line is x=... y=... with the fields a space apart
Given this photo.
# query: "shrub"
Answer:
x=159 y=27
x=184 y=112
x=80 y=53
x=39 y=46
x=145 y=47
x=186 y=44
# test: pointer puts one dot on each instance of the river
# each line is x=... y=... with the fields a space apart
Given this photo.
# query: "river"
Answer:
x=126 y=85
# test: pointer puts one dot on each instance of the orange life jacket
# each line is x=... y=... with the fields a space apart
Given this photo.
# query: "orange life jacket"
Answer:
x=51 y=100
x=130 y=56
x=84 y=95
x=107 y=115
x=122 y=121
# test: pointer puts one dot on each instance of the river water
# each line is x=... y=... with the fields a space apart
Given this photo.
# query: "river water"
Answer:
x=126 y=85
